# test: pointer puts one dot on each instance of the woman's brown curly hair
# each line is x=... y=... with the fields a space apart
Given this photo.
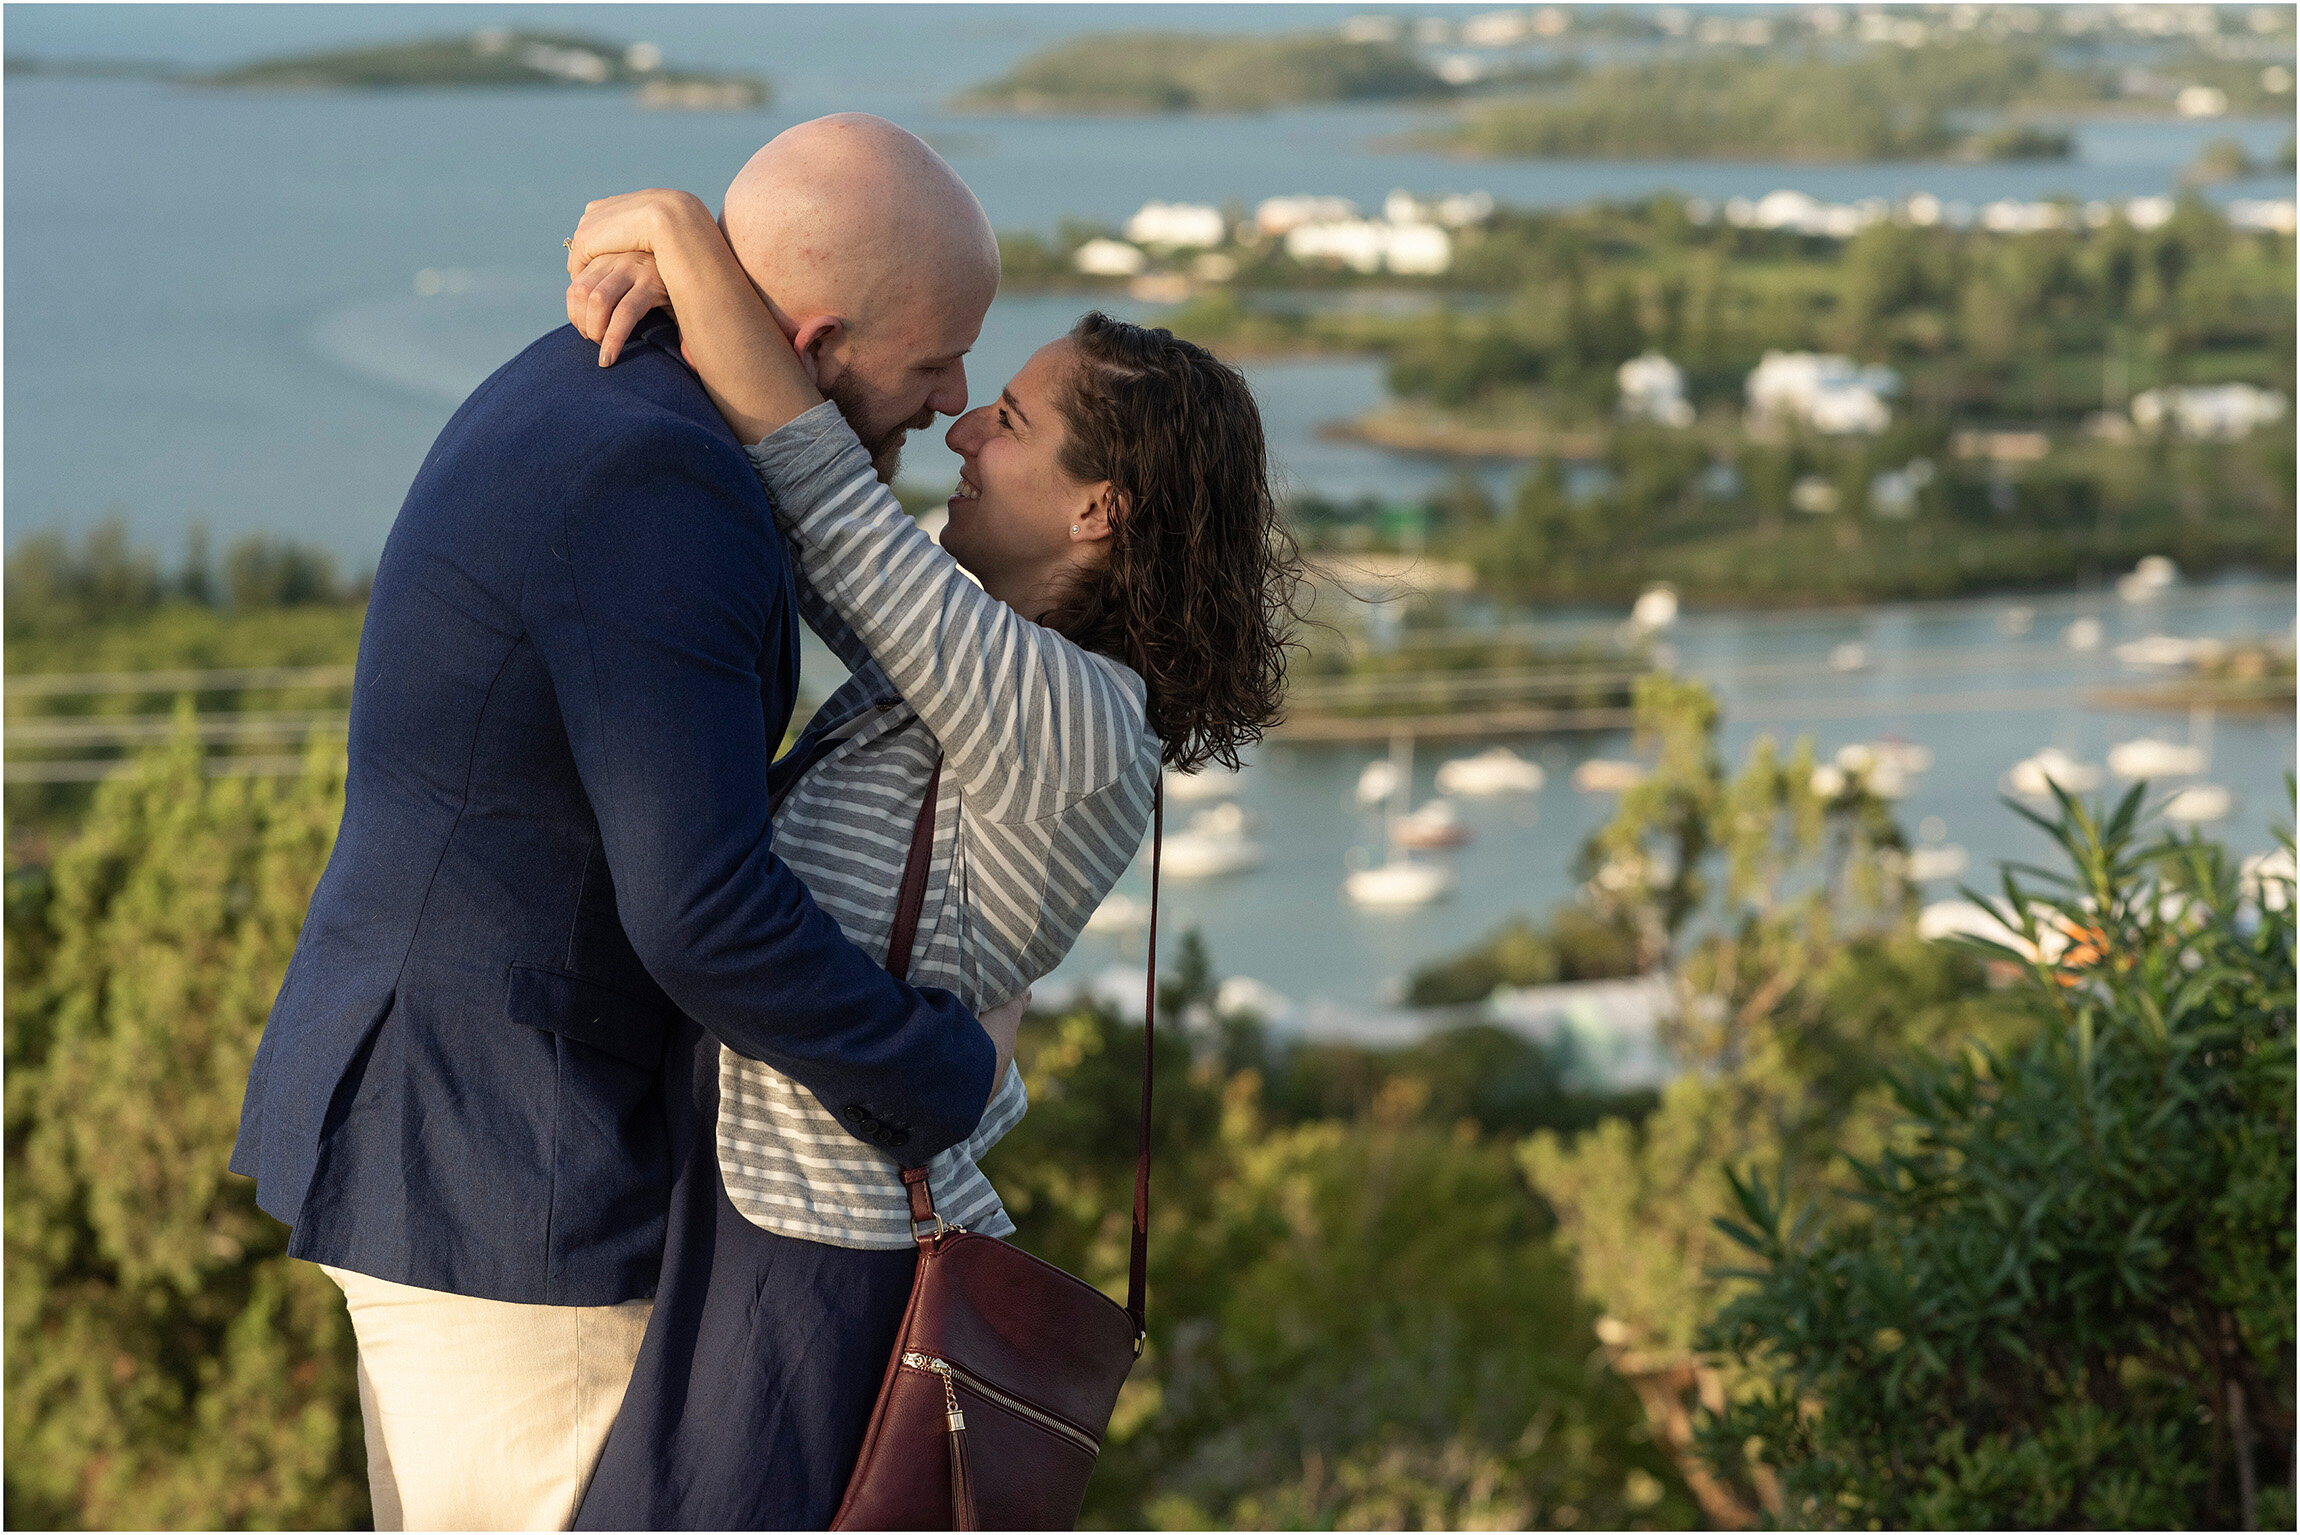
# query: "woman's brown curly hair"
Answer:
x=1198 y=591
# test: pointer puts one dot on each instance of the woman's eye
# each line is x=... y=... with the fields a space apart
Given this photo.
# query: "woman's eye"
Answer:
x=1002 y=421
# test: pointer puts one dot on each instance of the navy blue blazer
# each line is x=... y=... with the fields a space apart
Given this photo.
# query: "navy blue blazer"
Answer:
x=578 y=660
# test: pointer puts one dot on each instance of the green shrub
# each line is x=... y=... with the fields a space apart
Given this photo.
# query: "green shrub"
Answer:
x=167 y=1365
x=2061 y=1293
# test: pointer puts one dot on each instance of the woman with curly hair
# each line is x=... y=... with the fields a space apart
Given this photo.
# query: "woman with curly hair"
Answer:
x=1110 y=595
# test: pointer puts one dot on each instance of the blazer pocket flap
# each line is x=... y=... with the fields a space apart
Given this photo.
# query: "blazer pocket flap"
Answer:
x=587 y=1011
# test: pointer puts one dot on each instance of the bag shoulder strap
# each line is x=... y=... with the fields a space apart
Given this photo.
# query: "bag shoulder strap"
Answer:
x=1138 y=1259
x=913 y=896
x=898 y=957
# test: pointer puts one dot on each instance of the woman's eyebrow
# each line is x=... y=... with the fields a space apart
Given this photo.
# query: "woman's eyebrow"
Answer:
x=1013 y=404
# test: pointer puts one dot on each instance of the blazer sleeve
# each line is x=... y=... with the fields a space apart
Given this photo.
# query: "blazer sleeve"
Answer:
x=1029 y=722
x=655 y=602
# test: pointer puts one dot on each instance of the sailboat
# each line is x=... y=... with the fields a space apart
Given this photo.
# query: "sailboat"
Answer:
x=1399 y=880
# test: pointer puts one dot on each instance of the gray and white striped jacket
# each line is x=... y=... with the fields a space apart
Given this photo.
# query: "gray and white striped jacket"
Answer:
x=1047 y=777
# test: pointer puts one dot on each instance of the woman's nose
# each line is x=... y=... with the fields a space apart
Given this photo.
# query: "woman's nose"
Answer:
x=964 y=431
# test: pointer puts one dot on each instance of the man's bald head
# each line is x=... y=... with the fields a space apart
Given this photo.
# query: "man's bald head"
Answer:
x=877 y=260
x=851 y=213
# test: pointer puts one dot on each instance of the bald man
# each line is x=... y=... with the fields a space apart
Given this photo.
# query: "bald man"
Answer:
x=554 y=891
x=876 y=261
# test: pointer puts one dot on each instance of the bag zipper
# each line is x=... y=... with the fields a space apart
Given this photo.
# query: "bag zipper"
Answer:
x=953 y=1374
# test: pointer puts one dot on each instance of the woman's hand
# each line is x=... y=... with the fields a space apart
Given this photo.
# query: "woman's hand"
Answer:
x=635 y=221
x=611 y=296
x=727 y=333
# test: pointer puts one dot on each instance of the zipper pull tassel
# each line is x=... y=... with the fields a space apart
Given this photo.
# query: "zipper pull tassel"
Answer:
x=962 y=1515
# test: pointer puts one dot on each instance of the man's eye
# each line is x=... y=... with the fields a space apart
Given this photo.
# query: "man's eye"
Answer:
x=1002 y=421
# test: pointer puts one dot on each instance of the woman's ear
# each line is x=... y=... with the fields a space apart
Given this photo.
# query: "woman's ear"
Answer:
x=1107 y=505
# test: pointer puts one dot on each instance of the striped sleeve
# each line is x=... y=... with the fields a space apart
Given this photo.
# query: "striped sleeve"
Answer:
x=1029 y=722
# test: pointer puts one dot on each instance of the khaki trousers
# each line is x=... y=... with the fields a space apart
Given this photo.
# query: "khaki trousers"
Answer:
x=484 y=1414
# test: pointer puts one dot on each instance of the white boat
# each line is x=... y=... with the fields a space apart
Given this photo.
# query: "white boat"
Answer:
x=1214 y=845
x=2152 y=577
x=1119 y=913
x=1930 y=863
x=2150 y=758
x=1436 y=824
x=2200 y=802
x=1896 y=752
x=1496 y=770
x=2016 y=621
x=1604 y=775
x=1400 y=882
x=1852 y=656
x=2035 y=776
x=2084 y=634
x=1207 y=783
x=1656 y=608
x=1378 y=782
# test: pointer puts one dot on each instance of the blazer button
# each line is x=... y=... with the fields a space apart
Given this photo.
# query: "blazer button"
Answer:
x=856 y=1113
x=899 y=1138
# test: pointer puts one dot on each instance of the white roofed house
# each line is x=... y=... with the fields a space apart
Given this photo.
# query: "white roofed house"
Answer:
x=1369 y=245
x=1104 y=257
x=1177 y=225
x=1278 y=215
x=1653 y=389
x=2222 y=412
x=1830 y=394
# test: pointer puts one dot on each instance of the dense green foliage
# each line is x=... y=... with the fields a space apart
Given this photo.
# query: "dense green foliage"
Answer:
x=1884 y=101
x=2061 y=1292
x=1883 y=104
x=1575 y=945
x=1190 y=72
x=167 y=1365
x=1783 y=924
x=1358 y=1320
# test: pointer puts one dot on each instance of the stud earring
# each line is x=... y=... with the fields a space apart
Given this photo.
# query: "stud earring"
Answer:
x=1074 y=529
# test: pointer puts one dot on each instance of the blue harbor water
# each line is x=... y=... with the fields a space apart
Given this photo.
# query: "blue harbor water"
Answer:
x=256 y=310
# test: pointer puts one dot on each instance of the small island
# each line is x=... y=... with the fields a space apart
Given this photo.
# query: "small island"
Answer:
x=1812 y=107
x=498 y=57
x=1162 y=72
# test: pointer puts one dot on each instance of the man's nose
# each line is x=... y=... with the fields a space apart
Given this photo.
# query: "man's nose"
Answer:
x=949 y=397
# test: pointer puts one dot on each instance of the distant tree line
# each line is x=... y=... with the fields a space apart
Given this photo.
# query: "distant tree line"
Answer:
x=53 y=585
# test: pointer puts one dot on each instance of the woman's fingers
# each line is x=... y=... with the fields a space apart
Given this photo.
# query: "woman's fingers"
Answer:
x=592 y=297
x=628 y=314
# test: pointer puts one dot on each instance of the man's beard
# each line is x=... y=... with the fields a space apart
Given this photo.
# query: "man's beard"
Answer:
x=886 y=450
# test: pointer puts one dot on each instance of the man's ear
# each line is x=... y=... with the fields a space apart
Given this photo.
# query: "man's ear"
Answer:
x=819 y=340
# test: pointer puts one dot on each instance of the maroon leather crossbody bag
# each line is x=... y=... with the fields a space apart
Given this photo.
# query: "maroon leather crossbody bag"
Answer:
x=992 y=1410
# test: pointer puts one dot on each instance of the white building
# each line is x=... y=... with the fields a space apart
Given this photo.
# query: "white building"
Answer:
x=1177 y=225
x=1453 y=210
x=1277 y=215
x=2265 y=213
x=1653 y=389
x=1830 y=394
x=2220 y=411
x=1108 y=258
x=1369 y=245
